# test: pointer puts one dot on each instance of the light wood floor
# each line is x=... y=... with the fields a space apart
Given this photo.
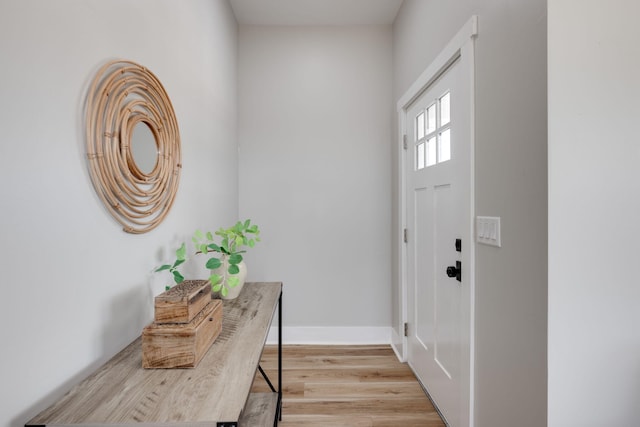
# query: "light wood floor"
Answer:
x=347 y=386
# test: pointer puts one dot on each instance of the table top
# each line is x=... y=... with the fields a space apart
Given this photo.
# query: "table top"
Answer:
x=122 y=393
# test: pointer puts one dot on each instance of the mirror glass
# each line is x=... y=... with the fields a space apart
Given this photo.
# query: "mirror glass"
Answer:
x=143 y=148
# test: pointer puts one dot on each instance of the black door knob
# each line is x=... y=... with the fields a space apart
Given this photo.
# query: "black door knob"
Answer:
x=455 y=271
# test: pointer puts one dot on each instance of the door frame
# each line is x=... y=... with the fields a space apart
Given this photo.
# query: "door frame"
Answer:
x=462 y=44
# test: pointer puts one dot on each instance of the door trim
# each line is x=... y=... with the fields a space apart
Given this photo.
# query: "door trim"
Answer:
x=462 y=44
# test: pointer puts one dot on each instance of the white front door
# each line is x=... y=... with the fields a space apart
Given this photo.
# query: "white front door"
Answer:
x=439 y=238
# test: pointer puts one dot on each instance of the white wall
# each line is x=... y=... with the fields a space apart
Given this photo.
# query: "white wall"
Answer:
x=76 y=289
x=510 y=177
x=314 y=130
x=594 y=232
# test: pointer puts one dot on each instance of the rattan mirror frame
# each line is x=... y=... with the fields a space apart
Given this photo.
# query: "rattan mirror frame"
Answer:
x=124 y=94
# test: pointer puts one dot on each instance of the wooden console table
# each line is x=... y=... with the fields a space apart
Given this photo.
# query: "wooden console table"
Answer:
x=214 y=394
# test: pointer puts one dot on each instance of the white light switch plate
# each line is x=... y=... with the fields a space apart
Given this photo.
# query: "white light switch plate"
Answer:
x=488 y=230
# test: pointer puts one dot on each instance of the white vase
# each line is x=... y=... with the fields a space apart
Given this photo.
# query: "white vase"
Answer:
x=224 y=272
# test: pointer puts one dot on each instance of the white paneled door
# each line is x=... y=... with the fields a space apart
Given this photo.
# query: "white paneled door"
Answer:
x=439 y=238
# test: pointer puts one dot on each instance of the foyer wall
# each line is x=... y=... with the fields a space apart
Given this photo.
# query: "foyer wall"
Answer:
x=594 y=183
x=76 y=289
x=314 y=131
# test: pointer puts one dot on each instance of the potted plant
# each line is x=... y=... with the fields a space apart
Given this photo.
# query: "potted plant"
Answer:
x=226 y=263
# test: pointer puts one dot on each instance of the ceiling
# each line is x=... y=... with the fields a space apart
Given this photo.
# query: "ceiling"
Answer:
x=315 y=12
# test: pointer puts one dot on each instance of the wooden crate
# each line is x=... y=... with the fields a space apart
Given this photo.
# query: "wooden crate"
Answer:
x=181 y=345
x=183 y=302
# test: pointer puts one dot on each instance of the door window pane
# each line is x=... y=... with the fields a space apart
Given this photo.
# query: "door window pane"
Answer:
x=445 y=146
x=431 y=151
x=445 y=109
x=420 y=126
x=420 y=156
x=431 y=119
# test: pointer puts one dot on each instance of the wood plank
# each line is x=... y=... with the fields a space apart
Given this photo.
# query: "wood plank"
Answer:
x=326 y=421
x=410 y=420
x=360 y=421
x=351 y=362
x=331 y=375
x=350 y=406
x=260 y=410
x=387 y=389
x=291 y=351
x=123 y=393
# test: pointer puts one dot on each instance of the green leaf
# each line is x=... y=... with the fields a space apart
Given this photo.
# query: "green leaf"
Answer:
x=224 y=291
x=232 y=282
x=247 y=223
x=239 y=241
x=235 y=259
x=166 y=288
x=213 y=263
x=178 y=262
x=252 y=243
x=198 y=235
x=216 y=288
x=209 y=235
x=163 y=267
x=177 y=277
x=181 y=253
x=233 y=269
x=215 y=279
x=204 y=248
x=214 y=247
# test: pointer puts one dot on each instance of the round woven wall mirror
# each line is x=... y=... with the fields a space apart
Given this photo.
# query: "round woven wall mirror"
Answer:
x=133 y=145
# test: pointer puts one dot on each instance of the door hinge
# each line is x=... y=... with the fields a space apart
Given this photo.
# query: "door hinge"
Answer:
x=406 y=329
x=404 y=141
x=405 y=236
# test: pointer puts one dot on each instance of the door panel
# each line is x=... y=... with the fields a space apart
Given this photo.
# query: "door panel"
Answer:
x=446 y=293
x=424 y=235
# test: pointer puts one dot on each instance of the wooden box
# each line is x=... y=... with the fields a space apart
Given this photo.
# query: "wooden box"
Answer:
x=183 y=302
x=181 y=345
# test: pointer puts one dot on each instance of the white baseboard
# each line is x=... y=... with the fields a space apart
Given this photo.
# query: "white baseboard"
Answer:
x=319 y=335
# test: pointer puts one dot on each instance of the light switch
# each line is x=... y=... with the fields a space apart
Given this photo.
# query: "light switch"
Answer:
x=488 y=230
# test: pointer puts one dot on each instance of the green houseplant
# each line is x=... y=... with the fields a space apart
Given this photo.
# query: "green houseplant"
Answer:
x=224 y=249
x=181 y=257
